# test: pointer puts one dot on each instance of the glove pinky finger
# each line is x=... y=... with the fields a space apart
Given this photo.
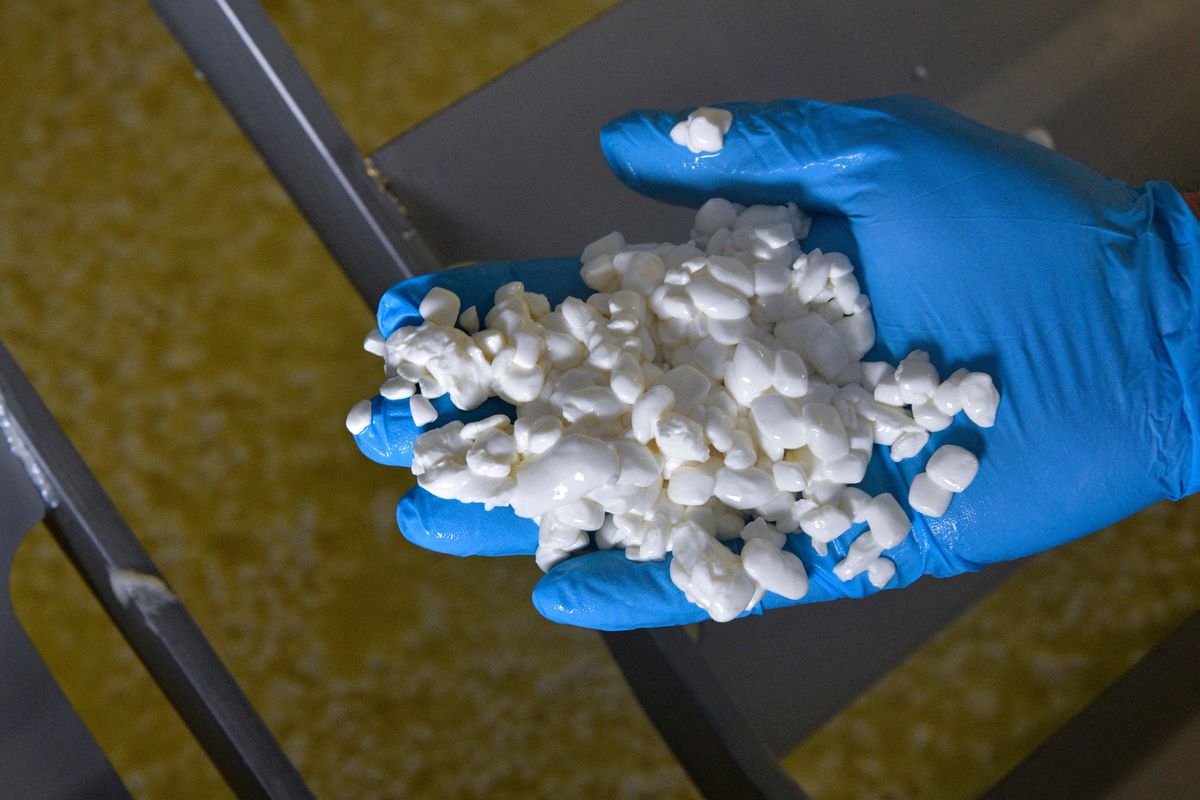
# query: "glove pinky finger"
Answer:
x=606 y=591
x=387 y=437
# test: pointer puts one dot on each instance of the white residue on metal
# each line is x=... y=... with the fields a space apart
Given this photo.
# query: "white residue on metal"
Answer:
x=147 y=592
x=19 y=445
x=1039 y=135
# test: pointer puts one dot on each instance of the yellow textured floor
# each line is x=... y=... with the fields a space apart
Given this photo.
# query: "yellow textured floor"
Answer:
x=201 y=349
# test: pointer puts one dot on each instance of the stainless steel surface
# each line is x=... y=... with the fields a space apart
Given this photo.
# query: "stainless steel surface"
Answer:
x=242 y=56
x=151 y=617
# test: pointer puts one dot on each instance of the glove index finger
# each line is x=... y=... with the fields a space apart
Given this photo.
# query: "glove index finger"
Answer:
x=476 y=285
x=388 y=438
x=818 y=155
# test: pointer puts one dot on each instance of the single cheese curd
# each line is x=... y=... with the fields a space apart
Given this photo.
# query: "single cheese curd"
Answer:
x=704 y=130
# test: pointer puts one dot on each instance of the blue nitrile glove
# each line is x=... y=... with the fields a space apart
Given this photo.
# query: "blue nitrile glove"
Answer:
x=1074 y=291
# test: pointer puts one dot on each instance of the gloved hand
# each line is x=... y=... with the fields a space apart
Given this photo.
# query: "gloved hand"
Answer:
x=1076 y=292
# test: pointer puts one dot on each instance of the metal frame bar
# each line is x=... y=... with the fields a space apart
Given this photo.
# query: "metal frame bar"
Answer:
x=137 y=598
x=46 y=752
x=246 y=61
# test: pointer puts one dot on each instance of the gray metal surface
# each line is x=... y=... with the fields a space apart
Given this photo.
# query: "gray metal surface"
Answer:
x=241 y=54
x=147 y=612
x=790 y=688
x=46 y=753
x=514 y=171
x=724 y=754
x=1139 y=739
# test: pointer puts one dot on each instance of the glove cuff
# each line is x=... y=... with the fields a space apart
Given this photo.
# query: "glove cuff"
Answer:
x=1174 y=232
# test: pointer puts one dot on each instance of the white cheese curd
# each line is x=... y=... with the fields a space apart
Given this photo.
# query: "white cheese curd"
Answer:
x=880 y=571
x=359 y=417
x=854 y=502
x=930 y=417
x=887 y=520
x=396 y=388
x=916 y=378
x=1040 y=135
x=928 y=497
x=775 y=570
x=979 y=399
x=948 y=397
x=952 y=467
x=908 y=444
x=705 y=391
x=422 y=410
x=825 y=523
x=374 y=343
x=703 y=131
x=440 y=307
x=761 y=529
x=568 y=471
x=863 y=551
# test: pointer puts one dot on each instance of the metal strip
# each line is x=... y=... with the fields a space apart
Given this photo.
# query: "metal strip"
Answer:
x=244 y=58
x=149 y=615
x=1121 y=745
x=721 y=752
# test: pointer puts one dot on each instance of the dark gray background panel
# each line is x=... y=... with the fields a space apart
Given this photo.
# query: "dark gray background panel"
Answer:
x=514 y=170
